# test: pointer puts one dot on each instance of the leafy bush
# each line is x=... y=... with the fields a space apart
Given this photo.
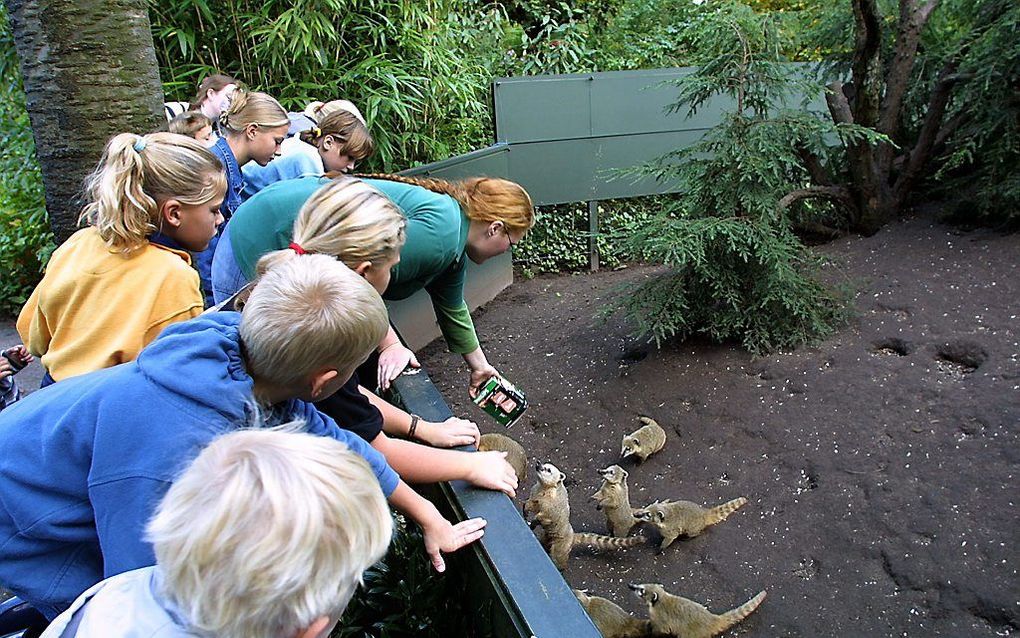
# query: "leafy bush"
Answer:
x=559 y=240
x=25 y=238
x=396 y=59
x=978 y=171
x=646 y=34
x=736 y=270
x=403 y=596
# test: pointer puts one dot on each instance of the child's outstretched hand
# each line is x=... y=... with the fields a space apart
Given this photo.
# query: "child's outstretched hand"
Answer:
x=450 y=433
x=392 y=361
x=445 y=537
x=491 y=471
x=19 y=356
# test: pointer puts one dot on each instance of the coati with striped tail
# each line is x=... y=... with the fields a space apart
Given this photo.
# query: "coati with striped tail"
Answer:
x=515 y=455
x=684 y=518
x=550 y=507
x=645 y=441
x=612 y=621
x=681 y=617
x=614 y=498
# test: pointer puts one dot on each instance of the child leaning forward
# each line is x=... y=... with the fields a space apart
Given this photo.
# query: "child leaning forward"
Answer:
x=113 y=441
x=113 y=286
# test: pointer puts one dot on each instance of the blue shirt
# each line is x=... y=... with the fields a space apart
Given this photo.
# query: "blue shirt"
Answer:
x=86 y=461
x=235 y=180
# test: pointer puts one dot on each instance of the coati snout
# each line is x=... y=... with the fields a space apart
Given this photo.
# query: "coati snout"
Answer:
x=645 y=593
x=650 y=513
x=613 y=473
x=549 y=474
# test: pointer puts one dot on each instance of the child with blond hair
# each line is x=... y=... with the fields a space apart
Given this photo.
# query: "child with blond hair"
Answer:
x=448 y=223
x=265 y=535
x=253 y=125
x=113 y=441
x=357 y=224
x=112 y=287
x=333 y=143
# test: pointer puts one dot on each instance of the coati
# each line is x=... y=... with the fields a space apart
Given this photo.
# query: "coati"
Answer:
x=612 y=621
x=671 y=615
x=645 y=441
x=684 y=518
x=515 y=455
x=614 y=498
x=550 y=507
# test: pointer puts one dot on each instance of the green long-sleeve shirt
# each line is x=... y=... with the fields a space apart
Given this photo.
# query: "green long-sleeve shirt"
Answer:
x=432 y=258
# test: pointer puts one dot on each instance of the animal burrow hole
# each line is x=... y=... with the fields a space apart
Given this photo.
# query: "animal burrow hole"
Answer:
x=893 y=346
x=959 y=358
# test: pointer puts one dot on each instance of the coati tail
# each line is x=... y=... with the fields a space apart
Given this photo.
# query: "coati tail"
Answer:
x=733 y=616
x=720 y=513
x=599 y=541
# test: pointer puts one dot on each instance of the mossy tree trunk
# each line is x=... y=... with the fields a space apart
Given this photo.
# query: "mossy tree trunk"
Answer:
x=90 y=72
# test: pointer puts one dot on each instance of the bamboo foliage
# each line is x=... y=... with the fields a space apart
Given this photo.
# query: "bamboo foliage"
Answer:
x=396 y=59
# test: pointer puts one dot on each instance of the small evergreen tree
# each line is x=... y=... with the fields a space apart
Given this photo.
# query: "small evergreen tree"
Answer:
x=735 y=269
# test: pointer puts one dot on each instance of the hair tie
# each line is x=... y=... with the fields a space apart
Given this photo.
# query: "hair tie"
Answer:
x=139 y=145
x=296 y=248
x=316 y=132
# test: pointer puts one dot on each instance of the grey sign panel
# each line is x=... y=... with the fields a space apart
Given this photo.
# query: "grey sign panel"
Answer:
x=635 y=104
x=491 y=161
x=581 y=106
x=582 y=170
x=552 y=107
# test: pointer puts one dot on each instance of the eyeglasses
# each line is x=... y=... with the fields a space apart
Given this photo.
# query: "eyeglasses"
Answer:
x=509 y=238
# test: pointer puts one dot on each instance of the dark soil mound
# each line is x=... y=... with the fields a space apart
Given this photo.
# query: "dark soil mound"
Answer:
x=881 y=465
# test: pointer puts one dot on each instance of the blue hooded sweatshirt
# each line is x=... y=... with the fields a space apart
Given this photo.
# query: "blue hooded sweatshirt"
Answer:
x=86 y=461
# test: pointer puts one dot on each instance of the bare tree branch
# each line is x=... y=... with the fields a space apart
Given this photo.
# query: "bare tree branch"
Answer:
x=921 y=153
x=836 y=193
x=897 y=80
x=838 y=105
x=813 y=164
x=950 y=127
x=867 y=62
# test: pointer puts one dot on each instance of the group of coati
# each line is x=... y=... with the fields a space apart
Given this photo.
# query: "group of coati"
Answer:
x=549 y=512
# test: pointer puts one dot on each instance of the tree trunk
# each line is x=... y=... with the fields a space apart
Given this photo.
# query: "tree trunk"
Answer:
x=90 y=72
x=878 y=95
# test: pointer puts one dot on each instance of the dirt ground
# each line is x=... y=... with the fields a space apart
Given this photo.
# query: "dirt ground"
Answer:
x=880 y=465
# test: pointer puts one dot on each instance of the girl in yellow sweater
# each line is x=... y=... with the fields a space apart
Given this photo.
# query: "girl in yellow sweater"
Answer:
x=113 y=286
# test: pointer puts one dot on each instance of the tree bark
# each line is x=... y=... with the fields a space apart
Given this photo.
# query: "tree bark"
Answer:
x=921 y=154
x=835 y=193
x=90 y=72
x=897 y=80
x=878 y=104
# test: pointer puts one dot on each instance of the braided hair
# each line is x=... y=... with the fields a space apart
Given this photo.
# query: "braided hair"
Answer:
x=487 y=199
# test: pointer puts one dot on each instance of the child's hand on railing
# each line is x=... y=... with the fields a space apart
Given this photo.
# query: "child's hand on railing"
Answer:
x=446 y=537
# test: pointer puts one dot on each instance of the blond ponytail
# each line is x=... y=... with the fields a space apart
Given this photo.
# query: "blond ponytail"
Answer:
x=346 y=219
x=487 y=199
x=136 y=174
x=252 y=107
